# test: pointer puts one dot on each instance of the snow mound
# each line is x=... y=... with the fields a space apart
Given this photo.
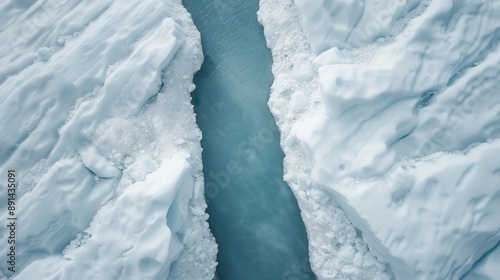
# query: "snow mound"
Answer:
x=96 y=119
x=398 y=126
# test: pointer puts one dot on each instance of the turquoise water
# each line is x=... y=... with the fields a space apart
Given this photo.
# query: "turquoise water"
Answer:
x=253 y=213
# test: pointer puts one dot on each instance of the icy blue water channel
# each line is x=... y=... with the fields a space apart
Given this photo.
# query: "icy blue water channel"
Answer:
x=253 y=213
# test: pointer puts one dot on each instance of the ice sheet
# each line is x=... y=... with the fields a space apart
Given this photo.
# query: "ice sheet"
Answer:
x=96 y=119
x=423 y=88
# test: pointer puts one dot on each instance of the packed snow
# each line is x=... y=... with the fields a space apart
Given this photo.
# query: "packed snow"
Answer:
x=390 y=120
x=96 y=119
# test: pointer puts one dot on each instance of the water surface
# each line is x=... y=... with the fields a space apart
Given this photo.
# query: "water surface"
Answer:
x=253 y=213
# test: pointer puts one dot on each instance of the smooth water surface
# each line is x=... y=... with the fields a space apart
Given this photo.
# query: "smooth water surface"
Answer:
x=253 y=213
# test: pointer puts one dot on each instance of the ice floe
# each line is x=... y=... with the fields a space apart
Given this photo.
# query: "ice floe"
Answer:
x=396 y=134
x=96 y=119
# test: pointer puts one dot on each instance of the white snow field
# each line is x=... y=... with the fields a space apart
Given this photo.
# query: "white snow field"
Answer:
x=390 y=120
x=96 y=119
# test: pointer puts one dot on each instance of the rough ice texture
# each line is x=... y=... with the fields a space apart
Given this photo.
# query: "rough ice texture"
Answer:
x=347 y=23
x=398 y=125
x=336 y=249
x=487 y=267
x=96 y=118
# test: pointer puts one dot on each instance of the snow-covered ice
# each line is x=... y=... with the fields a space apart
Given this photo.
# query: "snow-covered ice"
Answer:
x=486 y=267
x=390 y=121
x=96 y=119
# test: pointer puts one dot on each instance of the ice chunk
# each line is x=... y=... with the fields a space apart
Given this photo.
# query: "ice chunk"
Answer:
x=98 y=164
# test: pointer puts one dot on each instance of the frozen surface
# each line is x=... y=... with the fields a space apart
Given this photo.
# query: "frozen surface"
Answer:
x=96 y=119
x=427 y=221
x=137 y=220
x=399 y=126
x=347 y=23
x=253 y=213
x=485 y=268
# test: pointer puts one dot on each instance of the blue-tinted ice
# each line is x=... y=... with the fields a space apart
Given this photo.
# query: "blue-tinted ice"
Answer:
x=253 y=213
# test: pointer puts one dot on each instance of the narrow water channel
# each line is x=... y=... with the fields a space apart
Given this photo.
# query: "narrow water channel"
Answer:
x=253 y=213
